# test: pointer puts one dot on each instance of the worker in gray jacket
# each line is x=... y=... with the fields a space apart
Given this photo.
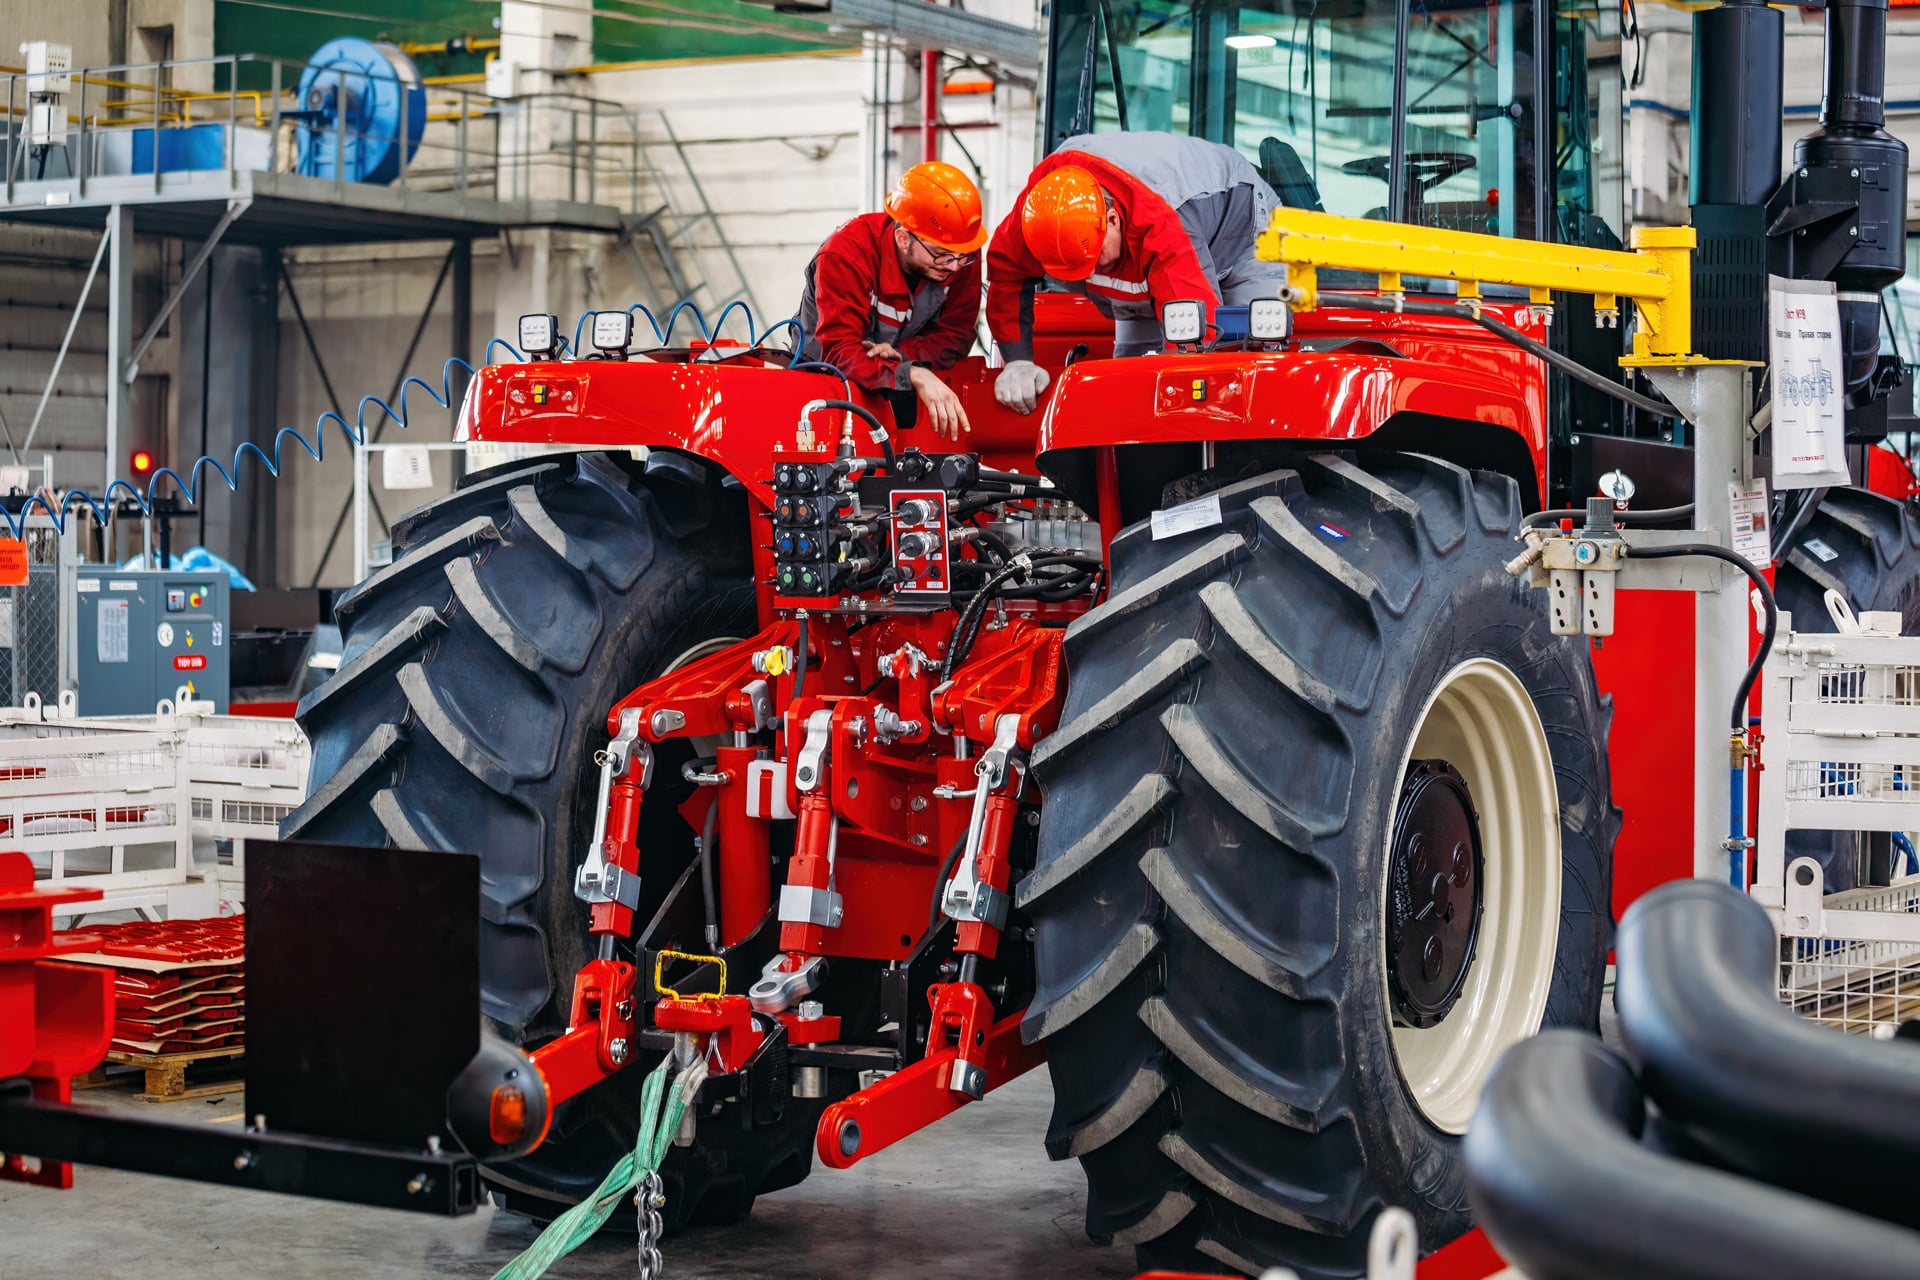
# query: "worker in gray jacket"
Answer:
x=1134 y=221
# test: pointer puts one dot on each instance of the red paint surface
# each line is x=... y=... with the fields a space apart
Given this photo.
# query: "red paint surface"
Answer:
x=1471 y=1257
x=271 y=710
x=1646 y=666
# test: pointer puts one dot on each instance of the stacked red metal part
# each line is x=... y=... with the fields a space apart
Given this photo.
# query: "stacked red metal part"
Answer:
x=55 y=1019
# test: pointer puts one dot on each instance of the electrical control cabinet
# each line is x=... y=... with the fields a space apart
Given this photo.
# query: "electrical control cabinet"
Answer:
x=143 y=634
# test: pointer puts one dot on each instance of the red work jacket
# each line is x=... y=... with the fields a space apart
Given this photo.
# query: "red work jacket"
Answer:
x=1189 y=211
x=856 y=293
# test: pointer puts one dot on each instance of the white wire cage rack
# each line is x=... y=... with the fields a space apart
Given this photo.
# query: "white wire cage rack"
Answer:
x=153 y=810
x=1842 y=753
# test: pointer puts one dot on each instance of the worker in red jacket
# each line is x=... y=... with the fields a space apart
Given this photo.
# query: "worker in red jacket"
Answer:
x=1134 y=221
x=892 y=298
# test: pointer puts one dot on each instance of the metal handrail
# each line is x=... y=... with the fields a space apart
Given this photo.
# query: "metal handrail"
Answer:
x=574 y=145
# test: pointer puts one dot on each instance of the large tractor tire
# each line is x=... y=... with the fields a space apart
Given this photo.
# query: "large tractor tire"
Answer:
x=471 y=697
x=1327 y=826
x=1866 y=546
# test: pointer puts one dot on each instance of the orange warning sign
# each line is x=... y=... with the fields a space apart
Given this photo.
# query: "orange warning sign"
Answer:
x=13 y=562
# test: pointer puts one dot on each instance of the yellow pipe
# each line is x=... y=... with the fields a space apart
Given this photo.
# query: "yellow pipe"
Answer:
x=651 y=64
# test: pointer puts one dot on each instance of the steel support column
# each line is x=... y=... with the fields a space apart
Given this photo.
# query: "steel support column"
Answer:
x=119 y=328
x=461 y=343
x=1717 y=398
x=130 y=370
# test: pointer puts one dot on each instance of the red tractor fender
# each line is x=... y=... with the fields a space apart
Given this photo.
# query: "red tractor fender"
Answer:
x=1355 y=374
x=1890 y=474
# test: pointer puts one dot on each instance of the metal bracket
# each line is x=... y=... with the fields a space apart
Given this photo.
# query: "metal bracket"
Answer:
x=1803 y=914
x=992 y=767
x=803 y=904
x=612 y=885
x=965 y=897
x=760 y=697
x=777 y=991
x=809 y=765
x=592 y=883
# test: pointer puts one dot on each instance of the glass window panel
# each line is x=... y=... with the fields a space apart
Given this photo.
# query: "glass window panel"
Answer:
x=1316 y=80
x=1470 y=117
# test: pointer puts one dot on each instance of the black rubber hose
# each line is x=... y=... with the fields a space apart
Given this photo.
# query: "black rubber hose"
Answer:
x=968 y=627
x=880 y=436
x=1769 y=1093
x=1655 y=515
x=1738 y=720
x=940 y=882
x=800 y=659
x=707 y=830
x=994 y=543
x=1565 y=364
x=1557 y=1176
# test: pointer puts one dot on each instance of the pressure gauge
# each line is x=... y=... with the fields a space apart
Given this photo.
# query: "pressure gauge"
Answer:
x=1618 y=486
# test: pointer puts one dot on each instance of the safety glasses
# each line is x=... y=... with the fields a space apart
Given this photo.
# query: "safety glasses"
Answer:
x=940 y=257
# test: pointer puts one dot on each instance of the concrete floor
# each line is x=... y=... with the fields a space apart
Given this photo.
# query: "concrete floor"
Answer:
x=974 y=1196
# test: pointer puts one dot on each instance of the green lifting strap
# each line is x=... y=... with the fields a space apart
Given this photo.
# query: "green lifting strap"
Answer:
x=577 y=1225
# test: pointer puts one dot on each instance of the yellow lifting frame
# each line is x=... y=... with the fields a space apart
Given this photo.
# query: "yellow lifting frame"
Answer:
x=1656 y=274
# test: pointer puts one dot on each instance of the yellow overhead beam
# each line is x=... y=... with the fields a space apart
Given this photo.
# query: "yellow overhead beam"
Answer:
x=1656 y=274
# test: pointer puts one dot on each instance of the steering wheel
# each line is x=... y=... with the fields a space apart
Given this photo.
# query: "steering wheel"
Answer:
x=1425 y=169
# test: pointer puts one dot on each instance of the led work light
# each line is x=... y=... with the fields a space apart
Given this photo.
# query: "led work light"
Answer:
x=540 y=336
x=1183 y=321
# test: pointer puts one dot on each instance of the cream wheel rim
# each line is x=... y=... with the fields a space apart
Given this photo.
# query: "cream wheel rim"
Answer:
x=1481 y=720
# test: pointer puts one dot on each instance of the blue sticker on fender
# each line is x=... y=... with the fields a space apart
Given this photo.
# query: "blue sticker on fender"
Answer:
x=1333 y=531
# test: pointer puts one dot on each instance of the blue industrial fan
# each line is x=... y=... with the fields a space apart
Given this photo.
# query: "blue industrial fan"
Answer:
x=355 y=97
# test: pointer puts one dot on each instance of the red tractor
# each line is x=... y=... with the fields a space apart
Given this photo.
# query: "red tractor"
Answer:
x=1190 y=734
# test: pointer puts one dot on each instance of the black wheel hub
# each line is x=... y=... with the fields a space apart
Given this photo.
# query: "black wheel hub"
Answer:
x=1434 y=878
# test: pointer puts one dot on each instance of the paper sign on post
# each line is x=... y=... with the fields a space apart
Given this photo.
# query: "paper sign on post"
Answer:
x=1809 y=384
x=1751 y=536
x=407 y=467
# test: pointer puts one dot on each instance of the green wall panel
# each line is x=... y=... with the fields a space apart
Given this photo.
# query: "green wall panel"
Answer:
x=650 y=31
x=293 y=29
x=623 y=30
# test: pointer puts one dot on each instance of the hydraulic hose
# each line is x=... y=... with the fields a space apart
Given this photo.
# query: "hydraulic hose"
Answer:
x=1738 y=720
x=800 y=659
x=879 y=429
x=706 y=875
x=1656 y=515
x=968 y=627
x=940 y=882
x=1565 y=364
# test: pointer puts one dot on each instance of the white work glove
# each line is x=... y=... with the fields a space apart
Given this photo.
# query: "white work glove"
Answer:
x=1019 y=385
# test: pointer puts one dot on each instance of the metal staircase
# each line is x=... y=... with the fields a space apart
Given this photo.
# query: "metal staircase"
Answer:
x=678 y=246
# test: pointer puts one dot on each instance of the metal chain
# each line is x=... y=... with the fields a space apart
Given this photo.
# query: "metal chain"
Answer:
x=648 y=1201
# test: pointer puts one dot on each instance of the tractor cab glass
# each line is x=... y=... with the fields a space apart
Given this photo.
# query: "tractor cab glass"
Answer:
x=1419 y=111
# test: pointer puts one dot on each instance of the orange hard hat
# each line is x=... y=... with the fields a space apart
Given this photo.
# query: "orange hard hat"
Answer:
x=1064 y=222
x=940 y=204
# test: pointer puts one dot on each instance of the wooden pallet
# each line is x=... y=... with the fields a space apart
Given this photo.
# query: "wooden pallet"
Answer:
x=166 y=1074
